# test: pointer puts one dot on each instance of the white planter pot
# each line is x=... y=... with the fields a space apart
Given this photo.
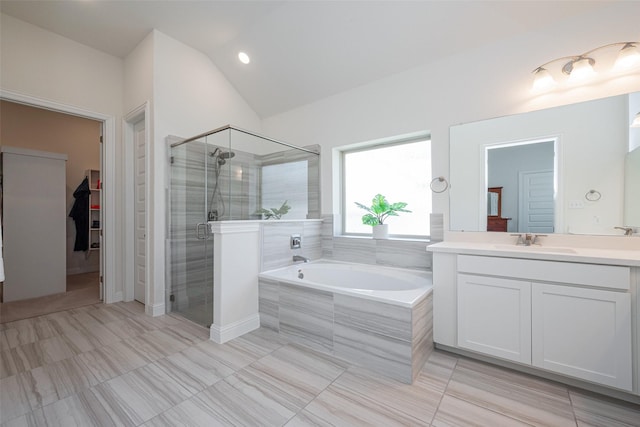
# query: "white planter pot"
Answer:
x=381 y=231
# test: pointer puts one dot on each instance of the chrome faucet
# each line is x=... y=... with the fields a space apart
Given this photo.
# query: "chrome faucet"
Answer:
x=527 y=239
x=628 y=231
x=297 y=258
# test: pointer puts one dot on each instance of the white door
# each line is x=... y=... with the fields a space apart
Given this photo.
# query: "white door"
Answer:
x=536 y=204
x=140 y=211
x=494 y=316
x=584 y=333
x=34 y=223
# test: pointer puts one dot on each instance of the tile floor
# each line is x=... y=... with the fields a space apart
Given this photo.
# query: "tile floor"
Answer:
x=82 y=289
x=110 y=365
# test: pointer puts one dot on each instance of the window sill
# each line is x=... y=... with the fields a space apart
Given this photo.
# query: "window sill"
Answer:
x=392 y=238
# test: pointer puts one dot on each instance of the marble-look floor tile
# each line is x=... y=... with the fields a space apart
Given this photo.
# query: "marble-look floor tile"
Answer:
x=113 y=360
x=437 y=371
x=30 y=419
x=343 y=407
x=200 y=361
x=55 y=348
x=13 y=400
x=592 y=410
x=307 y=419
x=140 y=395
x=523 y=397
x=21 y=358
x=25 y=331
x=82 y=409
x=459 y=413
x=130 y=327
x=190 y=413
x=55 y=381
x=230 y=398
x=239 y=352
x=418 y=400
x=292 y=375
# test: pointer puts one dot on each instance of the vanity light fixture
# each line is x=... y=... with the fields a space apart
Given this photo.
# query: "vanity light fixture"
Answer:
x=636 y=121
x=580 y=68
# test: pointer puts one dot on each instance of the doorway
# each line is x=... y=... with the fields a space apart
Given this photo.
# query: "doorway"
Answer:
x=106 y=153
x=51 y=172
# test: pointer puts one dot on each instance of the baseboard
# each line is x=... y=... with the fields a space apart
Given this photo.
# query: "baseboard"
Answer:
x=154 y=310
x=222 y=334
x=82 y=270
x=117 y=297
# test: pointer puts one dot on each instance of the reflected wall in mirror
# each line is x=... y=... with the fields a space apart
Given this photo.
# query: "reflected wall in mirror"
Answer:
x=582 y=147
x=526 y=173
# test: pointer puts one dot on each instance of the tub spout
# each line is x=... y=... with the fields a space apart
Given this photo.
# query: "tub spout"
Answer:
x=297 y=258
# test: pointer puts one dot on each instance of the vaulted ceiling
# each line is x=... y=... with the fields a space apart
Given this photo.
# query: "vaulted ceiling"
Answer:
x=301 y=51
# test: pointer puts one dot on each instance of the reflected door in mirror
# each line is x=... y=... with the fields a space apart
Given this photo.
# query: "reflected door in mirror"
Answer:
x=495 y=222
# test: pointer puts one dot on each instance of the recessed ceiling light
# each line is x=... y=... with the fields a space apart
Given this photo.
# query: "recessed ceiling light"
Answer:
x=244 y=58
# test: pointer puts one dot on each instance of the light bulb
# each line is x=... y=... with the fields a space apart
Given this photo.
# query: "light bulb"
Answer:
x=244 y=58
x=542 y=80
x=636 y=121
x=628 y=58
x=581 y=70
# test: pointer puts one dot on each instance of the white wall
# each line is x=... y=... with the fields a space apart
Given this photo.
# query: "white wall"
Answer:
x=40 y=64
x=191 y=96
x=488 y=82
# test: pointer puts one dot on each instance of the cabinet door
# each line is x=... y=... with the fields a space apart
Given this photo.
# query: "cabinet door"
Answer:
x=494 y=316
x=584 y=333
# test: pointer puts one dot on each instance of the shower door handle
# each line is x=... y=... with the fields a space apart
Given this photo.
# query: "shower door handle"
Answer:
x=199 y=235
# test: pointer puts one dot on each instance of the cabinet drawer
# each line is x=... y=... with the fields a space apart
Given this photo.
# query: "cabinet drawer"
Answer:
x=603 y=276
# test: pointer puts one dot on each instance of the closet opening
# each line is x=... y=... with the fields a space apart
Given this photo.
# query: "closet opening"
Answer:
x=51 y=207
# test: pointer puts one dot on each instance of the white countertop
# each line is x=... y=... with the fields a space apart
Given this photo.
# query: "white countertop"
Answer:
x=626 y=257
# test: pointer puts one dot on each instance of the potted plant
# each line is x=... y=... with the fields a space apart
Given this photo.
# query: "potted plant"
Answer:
x=379 y=210
x=275 y=213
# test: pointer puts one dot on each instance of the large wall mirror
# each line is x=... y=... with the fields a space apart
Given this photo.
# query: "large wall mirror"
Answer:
x=569 y=169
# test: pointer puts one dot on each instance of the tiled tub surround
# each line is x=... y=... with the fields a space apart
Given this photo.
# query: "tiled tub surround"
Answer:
x=379 y=330
x=401 y=253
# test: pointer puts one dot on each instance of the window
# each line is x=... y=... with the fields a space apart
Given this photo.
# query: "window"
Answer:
x=399 y=171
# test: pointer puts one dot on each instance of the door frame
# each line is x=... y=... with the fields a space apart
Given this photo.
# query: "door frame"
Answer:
x=140 y=113
x=108 y=167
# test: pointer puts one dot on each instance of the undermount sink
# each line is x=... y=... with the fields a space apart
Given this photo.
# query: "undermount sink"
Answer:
x=536 y=248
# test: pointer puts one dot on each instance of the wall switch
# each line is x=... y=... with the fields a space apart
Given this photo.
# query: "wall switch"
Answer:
x=576 y=204
x=296 y=241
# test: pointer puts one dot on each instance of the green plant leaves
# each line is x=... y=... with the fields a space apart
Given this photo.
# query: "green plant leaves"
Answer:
x=380 y=209
x=275 y=213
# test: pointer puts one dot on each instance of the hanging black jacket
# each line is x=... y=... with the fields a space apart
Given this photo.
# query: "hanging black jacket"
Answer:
x=80 y=214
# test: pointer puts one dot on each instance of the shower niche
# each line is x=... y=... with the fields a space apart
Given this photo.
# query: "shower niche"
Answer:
x=218 y=179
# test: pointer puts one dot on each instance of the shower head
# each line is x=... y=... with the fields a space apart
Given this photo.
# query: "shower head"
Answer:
x=224 y=155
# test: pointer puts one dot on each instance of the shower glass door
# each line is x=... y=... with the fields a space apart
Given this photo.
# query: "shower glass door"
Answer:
x=191 y=244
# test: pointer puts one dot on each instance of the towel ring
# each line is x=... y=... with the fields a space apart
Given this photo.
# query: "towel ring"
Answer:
x=593 y=195
x=439 y=179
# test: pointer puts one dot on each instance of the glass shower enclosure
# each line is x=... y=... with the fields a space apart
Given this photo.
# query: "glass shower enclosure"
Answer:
x=228 y=174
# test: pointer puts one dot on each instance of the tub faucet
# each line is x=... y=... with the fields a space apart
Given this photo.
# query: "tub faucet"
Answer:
x=297 y=258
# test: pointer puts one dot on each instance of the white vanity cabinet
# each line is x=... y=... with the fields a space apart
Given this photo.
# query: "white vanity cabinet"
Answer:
x=570 y=318
x=494 y=316
x=584 y=333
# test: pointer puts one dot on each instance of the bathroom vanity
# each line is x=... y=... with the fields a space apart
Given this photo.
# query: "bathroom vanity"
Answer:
x=566 y=311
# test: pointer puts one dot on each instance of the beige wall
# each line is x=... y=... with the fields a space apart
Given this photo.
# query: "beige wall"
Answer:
x=38 y=129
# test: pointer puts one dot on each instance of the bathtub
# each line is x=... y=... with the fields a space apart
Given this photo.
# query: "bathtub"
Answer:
x=392 y=285
x=377 y=317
